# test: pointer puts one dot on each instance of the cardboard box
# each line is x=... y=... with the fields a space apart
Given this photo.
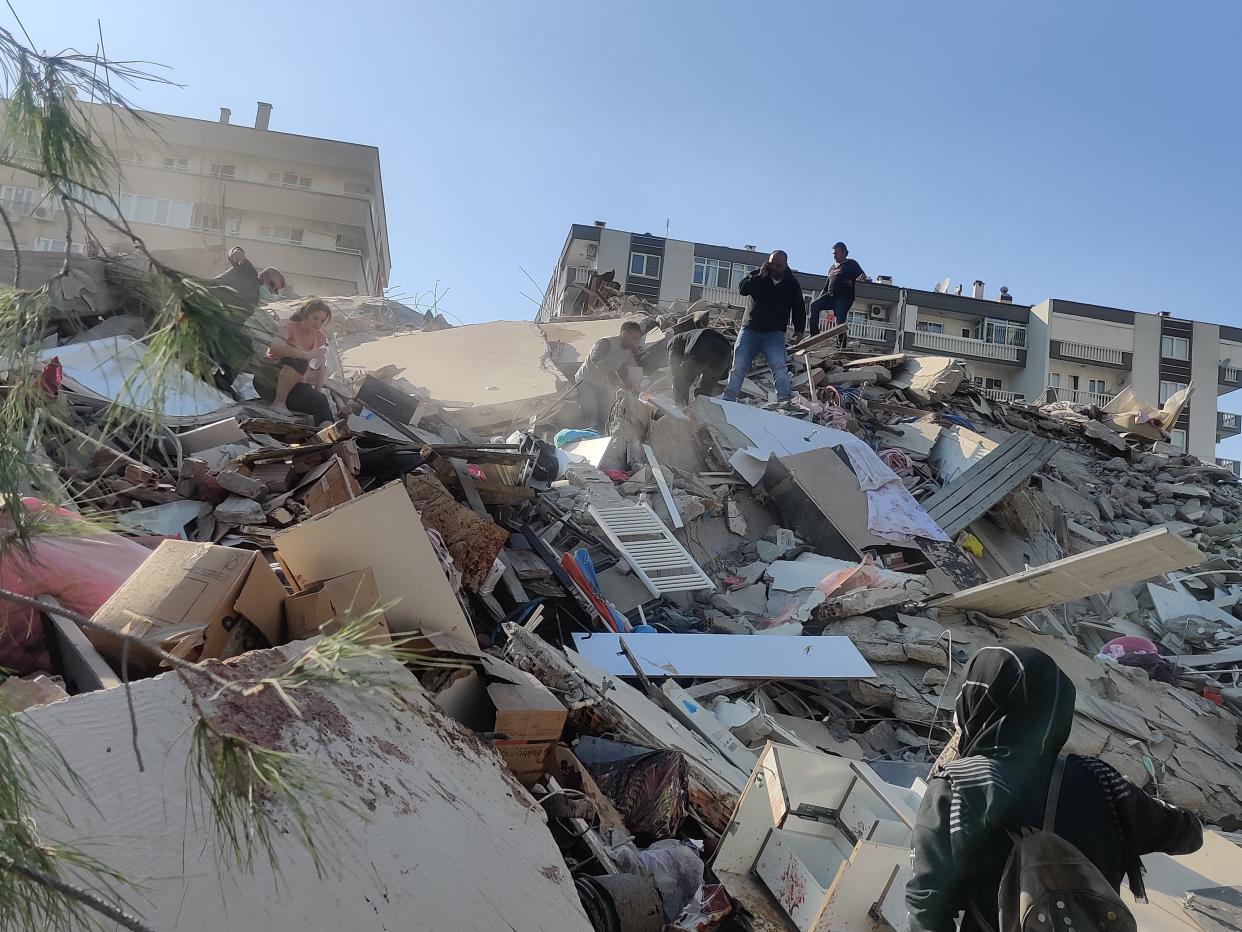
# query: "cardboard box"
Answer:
x=524 y=717
x=531 y=719
x=382 y=531
x=189 y=594
x=323 y=607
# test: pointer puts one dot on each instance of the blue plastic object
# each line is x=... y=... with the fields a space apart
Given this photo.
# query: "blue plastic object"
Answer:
x=573 y=435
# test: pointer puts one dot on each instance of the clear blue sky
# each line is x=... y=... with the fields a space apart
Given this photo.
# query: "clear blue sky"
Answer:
x=1065 y=149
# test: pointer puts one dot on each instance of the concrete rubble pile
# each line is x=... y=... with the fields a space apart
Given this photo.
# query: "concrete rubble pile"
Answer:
x=691 y=673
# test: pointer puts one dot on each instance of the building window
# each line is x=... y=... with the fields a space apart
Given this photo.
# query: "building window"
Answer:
x=289 y=179
x=989 y=383
x=282 y=234
x=207 y=217
x=1001 y=331
x=1169 y=389
x=928 y=326
x=965 y=331
x=712 y=273
x=1097 y=387
x=1174 y=348
x=223 y=170
x=177 y=165
x=57 y=245
x=643 y=265
x=1054 y=379
x=740 y=271
x=142 y=208
x=1177 y=438
x=21 y=201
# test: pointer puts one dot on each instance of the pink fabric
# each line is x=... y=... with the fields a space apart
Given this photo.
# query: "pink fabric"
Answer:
x=1129 y=644
x=76 y=564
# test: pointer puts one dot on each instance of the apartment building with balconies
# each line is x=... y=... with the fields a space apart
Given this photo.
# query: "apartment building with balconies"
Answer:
x=1053 y=350
x=311 y=207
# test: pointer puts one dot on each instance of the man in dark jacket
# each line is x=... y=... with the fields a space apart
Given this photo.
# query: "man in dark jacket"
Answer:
x=838 y=295
x=1014 y=714
x=775 y=297
x=700 y=355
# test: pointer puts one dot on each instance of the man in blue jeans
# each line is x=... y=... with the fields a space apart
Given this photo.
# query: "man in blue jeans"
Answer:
x=838 y=295
x=775 y=297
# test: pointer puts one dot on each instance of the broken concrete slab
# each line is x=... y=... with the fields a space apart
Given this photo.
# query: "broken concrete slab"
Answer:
x=241 y=484
x=238 y=510
x=489 y=374
x=749 y=600
x=386 y=742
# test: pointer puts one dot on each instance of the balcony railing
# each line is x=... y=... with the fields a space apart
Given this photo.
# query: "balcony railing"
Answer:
x=947 y=343
x=1099 y=399
x=1230 y=374
x=1000 y=395
x=724 y=296
x=1093 y=353
x=579 y=275
x=1227 y=420
x=1233 y=466
x=867 y=330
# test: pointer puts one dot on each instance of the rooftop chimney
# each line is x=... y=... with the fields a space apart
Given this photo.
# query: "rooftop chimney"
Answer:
x=601 y=224
x=225 y=114
x=976 y=290
x=750 y=247
x=262 y=115
x=884 y=279
x=1005 y=296
x=1162 y=313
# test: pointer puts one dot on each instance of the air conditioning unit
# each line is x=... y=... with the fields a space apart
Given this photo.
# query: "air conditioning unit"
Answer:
x=877 y=311
x=592 y=251
x=42 y=213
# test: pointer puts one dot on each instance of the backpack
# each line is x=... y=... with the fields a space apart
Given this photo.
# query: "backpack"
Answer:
x=1049 y=884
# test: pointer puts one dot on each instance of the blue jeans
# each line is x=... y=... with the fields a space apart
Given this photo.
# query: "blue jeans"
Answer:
x=750 y=343
x=838 y=304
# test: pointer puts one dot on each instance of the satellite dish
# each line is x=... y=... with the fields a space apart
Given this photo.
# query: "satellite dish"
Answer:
x=942 y=287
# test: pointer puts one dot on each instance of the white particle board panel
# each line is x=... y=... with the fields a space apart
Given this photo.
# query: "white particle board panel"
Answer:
x=380 y=530
x=740 y=656
x=1100 y=570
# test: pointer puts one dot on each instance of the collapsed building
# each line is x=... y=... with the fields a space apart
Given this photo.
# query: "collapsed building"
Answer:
x=689 y=672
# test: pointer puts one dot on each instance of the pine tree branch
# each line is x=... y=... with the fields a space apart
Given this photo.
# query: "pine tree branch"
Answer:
x=17 y=255
x=85 y=897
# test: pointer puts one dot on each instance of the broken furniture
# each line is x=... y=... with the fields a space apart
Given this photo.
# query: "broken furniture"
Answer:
x=818 y=843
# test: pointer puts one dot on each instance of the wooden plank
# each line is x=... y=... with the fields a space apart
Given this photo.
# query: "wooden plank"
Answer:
x=961 y=513
x=665 y=492
x=824 y=336
x=980 y=487
x=980 y=472
x=1100 y=570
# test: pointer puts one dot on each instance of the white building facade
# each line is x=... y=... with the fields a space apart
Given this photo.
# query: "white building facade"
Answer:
x=1055 y=349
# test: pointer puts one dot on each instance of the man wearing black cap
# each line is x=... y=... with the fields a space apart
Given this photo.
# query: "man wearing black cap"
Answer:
x=838 y=297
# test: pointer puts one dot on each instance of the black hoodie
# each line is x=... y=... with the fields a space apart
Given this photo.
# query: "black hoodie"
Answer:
x=1014 y=714
x=773 y=303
